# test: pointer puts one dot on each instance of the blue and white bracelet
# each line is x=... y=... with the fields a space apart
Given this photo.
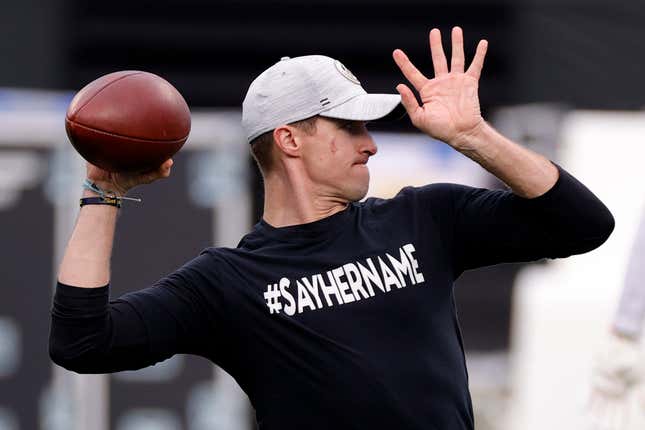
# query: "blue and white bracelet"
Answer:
x=105 y=197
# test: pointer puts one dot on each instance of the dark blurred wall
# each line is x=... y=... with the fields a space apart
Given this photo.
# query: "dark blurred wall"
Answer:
x=212 y=50
x=32 y=43
x=26 y=226
x=585 y=53
x=582 y=52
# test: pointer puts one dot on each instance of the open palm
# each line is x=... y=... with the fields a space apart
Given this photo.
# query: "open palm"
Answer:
x=450 y=102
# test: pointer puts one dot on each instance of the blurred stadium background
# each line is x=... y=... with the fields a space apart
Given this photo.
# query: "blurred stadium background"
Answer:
x=564 y=77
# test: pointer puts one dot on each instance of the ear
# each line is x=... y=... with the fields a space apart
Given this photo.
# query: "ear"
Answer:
x=287 y=141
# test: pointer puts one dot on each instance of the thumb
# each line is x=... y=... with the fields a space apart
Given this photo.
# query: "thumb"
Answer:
x=161 y=172
x=408 y=100
x=164 y=169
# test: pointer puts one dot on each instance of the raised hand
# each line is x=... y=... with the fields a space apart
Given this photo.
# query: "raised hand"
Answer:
x=450 y=102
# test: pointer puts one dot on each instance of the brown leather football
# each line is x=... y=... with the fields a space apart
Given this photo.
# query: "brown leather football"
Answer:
x=128 y=121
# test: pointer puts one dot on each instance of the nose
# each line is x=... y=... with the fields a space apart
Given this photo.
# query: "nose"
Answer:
x=369 y=147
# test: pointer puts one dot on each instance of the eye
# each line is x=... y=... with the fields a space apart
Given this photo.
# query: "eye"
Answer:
x=354 y=127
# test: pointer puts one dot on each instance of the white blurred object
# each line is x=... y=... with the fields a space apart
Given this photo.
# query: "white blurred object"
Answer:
x=10 y=347
x=639 y=401
x=8 y=420
x=559 y=309
x=617 y=368
x=536 y=126
x=55 y=406
x=619 y=364
x=18 y=170
x=218 y=406
x=488 y=384
x=148 y=419
x=630 y=315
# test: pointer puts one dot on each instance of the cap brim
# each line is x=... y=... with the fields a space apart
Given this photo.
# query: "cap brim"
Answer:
x=368 y=107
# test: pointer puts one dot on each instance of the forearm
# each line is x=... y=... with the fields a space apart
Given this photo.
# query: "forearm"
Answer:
x=86 y=262
x=527 y=173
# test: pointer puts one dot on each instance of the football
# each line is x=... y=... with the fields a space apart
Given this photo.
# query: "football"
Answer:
x=128 y=121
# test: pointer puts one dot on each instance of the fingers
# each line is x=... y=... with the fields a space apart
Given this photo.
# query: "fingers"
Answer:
x=439 y=62
x=166 y=166
x=475 y=68
x=438 y=57
x=164 y=169
x=411 y=73
x=408 y=100
x=457 y=61
x=161 y=172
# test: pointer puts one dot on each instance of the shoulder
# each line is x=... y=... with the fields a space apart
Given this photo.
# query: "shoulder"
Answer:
x=424 y=197
x=206 y=266
x=226 y=260
x=251 y=241
x=216 y=255
x=199 y=268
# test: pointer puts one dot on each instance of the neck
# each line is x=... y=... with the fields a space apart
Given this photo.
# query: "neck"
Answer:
x=288 y=201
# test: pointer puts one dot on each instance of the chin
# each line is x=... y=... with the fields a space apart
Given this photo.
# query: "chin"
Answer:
x=355 y=184
x=357 y=193
x=355 y=197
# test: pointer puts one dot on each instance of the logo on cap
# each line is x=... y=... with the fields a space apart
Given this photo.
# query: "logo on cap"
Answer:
x=346 y=73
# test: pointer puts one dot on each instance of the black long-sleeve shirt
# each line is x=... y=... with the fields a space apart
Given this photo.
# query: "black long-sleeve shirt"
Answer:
x=347 y=322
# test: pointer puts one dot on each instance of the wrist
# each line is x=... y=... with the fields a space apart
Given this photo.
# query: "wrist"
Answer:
x=94 y=194
x=107 y=187
x=89 y=193
x=473 y=138
x=101 y=201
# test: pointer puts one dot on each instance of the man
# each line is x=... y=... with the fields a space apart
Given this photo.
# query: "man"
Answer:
x=334 y=313
x=619 y=367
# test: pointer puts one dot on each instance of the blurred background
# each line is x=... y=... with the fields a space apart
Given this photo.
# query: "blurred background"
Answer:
x=563 y=77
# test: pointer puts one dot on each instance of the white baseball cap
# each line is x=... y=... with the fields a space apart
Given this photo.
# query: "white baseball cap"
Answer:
x=297 y=88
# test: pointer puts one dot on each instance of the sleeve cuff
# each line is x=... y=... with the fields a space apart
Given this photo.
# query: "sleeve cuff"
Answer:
x=77 y=302
x=72 y=291
x=552 y=193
